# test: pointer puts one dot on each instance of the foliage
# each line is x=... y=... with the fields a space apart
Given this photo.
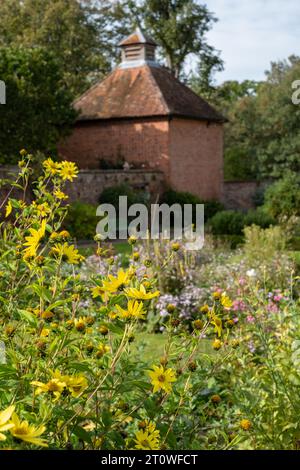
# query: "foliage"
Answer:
x=232 y=222
x=227 y=222
x=263 y=244
x=263 y=126
x=39 y=105
x=180 y=27
x=258 y=217
x=81 y=221
x=66 y=28
x=71 y=377
x=171 y=197
x=111 y=195
x=282 y=198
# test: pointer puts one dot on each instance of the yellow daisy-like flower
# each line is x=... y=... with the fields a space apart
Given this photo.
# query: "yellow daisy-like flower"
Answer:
x=60 y=194
x=5 y=424
x=101 y=350
x=51 y=167
x=76 y=384
x=99 y=292
x=147 y=438
x=217 y=322
x=68 y=253
x=26 y=432
x=245 y=424
x=226 y=301
x=162 y=378
x=134 y=310
x=141 y=293
x=45 y=332
x=8 y=209
x=68 y=170
x=41 y=209
x=118 y=283
x=80 y=323
x=33 y=241
x=54 y=387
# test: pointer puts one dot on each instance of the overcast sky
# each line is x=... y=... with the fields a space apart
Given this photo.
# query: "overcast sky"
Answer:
x=252 y=33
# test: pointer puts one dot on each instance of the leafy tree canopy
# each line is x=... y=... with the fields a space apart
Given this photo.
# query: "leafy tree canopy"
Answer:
x=38 y=106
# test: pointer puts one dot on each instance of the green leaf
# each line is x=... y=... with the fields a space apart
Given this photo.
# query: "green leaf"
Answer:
x=29 y=317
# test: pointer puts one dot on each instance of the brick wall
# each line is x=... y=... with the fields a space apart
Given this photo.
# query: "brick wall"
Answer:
x=189 y=152
x=89 y=184
x=241 y=194
x=141 y=142
x=196 y=157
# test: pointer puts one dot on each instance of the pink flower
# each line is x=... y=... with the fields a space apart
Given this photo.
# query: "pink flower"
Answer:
x=250 y=319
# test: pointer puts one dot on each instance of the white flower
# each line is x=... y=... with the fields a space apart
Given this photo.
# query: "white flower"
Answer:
x=251 y=273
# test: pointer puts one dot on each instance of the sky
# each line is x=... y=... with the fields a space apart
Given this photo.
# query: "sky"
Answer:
x=252 y=33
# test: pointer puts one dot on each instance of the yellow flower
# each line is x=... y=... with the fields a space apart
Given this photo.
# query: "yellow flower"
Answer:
x=5 y=425
x=217 y=322
x=141 y=293
x=148 y=437
x=45 y=332
x=68 y=170
x=245 y=424
x=76 y=384
x=54 y=387
x=68 y=253
x=118 y=283
x=99 y=292
x=41 y=209
x=51 y=167
x=101 y=350
x=8 y=209
x=60 y=195
x=64 y=234
x=134 y=310
x=80 y=324
x=26 y=432
x=226 y=301
x=216 y=295
x=33 y=241
x=175 y=246
x=217 y=344
x=162 y=378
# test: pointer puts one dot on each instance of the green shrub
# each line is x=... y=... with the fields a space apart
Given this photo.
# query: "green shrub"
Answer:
x=259 y=217
x=227 y=223
x=263 y=244
x=111 y=195
x=81 y=221
x=282 y=199
x=171 y=197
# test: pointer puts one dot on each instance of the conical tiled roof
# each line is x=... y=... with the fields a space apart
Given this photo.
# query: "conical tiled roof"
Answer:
x=141 y=88
x=141 y=92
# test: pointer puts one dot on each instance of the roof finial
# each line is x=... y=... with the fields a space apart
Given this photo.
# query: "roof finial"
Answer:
x=138 y=49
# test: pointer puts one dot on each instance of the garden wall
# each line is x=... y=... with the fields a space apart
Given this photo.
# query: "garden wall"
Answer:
x=90 y=183
x=241 y=195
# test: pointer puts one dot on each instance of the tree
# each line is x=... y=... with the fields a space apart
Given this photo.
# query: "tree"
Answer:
x=65 y=27
x=264 y=126
x=38 y=109
x=178 y=26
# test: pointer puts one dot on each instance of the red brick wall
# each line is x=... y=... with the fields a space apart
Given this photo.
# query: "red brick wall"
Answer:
x=196 y=157
x=189 y=152
x=140 y=142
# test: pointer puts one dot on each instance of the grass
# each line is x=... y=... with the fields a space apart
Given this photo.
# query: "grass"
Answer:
x=154 y=345
x=121 y=248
